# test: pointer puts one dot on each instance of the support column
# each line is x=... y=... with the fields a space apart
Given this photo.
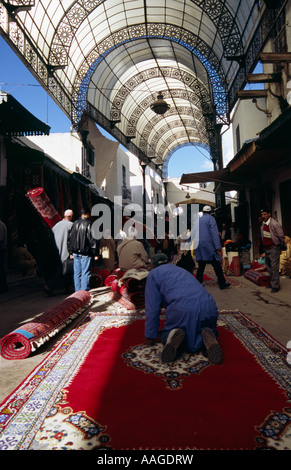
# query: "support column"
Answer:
x=220 y=198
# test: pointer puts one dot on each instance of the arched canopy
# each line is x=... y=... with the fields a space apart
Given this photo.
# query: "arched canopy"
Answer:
x=109 y=59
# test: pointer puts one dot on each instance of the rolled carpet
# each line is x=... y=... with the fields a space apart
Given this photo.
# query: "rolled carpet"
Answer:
x=258 y=277
x=131 y=300
x=23 y=341
x=98 y=277
x=43 y=205
x=116 y=274
x=126 y=298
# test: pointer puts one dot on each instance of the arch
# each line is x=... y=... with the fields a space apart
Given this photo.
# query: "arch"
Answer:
x=170 y=154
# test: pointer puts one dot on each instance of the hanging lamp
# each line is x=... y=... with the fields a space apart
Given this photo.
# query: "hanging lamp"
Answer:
x=160 y=106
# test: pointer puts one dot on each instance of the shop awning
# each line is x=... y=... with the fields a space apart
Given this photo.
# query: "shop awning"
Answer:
x=194 y=200
x=204 y=176
x=16 y=121
x=270 y=150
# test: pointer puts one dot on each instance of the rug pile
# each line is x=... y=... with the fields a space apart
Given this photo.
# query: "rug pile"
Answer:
x=101 y=388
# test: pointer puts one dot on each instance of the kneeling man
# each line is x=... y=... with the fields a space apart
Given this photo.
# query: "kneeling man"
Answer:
x=191 y=312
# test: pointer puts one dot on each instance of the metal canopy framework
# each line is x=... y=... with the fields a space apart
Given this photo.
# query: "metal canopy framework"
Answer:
x=109 y=59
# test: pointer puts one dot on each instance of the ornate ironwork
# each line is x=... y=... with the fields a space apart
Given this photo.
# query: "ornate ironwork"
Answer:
x=218 y=100
x=224 y=23
x=194 y=85
x=259 y=39
x=163 y=31
x=34 y=62
x=13 y=6
x=67 y=28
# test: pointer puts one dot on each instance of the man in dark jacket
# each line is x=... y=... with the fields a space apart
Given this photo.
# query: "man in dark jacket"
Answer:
x=83 y=247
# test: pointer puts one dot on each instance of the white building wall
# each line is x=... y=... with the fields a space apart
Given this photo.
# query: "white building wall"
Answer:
x=155 y=188
x=249 y=120
x=113 y=184
x=136 y=179
x=65 y=148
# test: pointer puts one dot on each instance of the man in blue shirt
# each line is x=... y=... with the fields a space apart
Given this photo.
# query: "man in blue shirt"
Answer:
x=191 y=313
x=209 y=247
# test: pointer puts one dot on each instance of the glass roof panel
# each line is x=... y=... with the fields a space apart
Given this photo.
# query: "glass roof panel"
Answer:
x=117 y=55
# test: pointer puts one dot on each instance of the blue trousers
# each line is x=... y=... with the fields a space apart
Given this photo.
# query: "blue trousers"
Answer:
x=82 y=272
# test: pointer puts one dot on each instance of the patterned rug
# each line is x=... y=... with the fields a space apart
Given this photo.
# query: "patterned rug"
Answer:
x=112 y=303
x=101 y=388
x=210 y=280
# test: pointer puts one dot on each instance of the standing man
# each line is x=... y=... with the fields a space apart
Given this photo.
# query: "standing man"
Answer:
x=83 y=247
x=3 y=255
x=191 y=312
x=209 y=248
x=62 y=276
x=272 y=237
x=61 y=231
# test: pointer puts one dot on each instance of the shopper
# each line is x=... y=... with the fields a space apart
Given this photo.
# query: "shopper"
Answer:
x=83 y=247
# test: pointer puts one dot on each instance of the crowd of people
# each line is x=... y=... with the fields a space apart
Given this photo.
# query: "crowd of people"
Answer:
x=190 y=311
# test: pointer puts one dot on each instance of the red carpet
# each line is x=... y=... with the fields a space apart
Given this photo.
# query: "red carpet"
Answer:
x=258 y=277
x=213 y=408
x=43 y=205
x=21 y=342
x=113 y=393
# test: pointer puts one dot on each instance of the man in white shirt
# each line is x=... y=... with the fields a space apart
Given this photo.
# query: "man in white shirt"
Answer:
x=63 y=275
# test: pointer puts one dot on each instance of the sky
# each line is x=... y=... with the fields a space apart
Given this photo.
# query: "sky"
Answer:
x=16 y=79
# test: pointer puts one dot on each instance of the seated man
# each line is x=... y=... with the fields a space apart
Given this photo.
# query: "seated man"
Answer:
x=132 y=255
x=191 y=313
